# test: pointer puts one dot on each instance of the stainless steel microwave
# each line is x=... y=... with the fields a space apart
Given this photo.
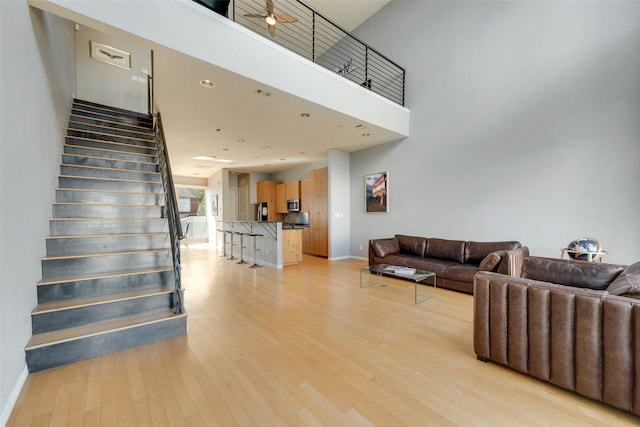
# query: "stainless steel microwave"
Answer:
x=293 y=205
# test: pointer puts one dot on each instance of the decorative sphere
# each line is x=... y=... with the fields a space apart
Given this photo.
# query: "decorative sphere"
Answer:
x=583 y=247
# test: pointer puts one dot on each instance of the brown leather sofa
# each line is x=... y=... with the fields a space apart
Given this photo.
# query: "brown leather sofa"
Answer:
x=454 y=262
x=574 y=324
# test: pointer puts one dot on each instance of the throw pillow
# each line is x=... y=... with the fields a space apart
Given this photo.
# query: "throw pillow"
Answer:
x=627 y=283
x=491 y=261
x=384 y=247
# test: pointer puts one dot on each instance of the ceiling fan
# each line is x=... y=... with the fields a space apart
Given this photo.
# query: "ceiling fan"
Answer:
x=271 y=18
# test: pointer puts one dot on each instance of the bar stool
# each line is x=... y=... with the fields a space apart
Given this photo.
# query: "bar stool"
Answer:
x=242 y=246
x=224 y=241
x=231 y=245
x=255 y=250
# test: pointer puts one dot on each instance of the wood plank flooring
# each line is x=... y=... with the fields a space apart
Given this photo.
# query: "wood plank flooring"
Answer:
x=304 y=346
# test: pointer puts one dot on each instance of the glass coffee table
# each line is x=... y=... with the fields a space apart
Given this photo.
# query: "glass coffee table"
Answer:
x=424 y=281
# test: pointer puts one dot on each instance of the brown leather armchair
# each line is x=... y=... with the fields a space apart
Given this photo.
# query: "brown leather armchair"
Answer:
x=578 y=337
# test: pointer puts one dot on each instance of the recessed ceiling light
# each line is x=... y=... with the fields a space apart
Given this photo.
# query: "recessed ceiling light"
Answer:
x=266 y=147
x=282 y=158
x=366 y=134
x=240 y=140
x=225 y=149
x=207 y=83
x=218 y=129
x=305 y=115
x=302 y=152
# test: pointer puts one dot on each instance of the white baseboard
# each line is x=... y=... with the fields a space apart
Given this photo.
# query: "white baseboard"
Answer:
x=362 y=258
x=13 y=397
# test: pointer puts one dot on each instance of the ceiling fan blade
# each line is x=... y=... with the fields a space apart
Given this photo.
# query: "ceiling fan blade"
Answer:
x=285 y=19
x=272 y=30
x=270 y=7
x=255 y=15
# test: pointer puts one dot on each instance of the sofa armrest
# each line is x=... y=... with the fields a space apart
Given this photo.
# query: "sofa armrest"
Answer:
x=582 y=340
x=512 y=261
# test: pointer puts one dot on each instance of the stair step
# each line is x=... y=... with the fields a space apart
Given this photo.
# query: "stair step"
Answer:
x=141 y=134
x=105 y=162
x=101 y=172
x=93 y=285
x=98 y=300
x=97 y=263
x=87 y=210
x=109 y=123
x=110 y=137
x=105 y=115
x=133 y=186
x=94 y=226
x=74 y=245
x=79 y=195
x=57 y=348
x=83 y=311
x=109 y=153
x=82 y=103
x=109 y=145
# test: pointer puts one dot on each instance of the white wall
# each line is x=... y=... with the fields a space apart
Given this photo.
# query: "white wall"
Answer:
x=339 y=204
x=37 y=83
x=524 y=124
x=98 y=81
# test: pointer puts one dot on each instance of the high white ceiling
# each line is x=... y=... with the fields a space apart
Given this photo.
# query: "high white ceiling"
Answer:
x=256 y=132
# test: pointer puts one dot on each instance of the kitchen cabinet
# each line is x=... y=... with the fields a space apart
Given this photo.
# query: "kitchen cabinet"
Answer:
x=266 y=193
x=291 y=246
x=318 y=242
x=305 y=195
x=281 y=199
x=293 y=190
x=319 y=182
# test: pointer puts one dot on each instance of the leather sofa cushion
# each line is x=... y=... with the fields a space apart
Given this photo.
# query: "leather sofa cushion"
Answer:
x=477 y=251
x=580 y=274
x=436 y=266
x=461 y=273
x=492 y=261
x=627 y=283
x=384 y=247
x=412 y=245
x=448 y=250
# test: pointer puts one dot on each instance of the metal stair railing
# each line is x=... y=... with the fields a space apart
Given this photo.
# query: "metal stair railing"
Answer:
x=317 y=38
x=170 y=210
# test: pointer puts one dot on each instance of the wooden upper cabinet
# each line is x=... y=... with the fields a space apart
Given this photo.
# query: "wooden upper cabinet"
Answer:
x=281 y=199
x=319 y=182
x=266 y=191
x=293 y=190
x=305 y=196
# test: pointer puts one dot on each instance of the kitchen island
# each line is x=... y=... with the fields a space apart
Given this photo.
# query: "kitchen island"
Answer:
x=277 y=246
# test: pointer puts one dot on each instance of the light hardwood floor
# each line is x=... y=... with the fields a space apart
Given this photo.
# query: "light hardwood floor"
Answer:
x=303 y=346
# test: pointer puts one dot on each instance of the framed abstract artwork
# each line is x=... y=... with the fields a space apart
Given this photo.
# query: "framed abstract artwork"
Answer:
x=376 y=190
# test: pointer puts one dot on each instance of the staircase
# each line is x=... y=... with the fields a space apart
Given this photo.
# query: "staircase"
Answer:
x=108 y=277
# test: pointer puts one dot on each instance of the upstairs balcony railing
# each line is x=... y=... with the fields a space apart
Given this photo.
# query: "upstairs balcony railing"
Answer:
x=305 y=31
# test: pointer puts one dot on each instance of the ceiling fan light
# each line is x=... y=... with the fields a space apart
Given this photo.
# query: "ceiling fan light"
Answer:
x=270 y=20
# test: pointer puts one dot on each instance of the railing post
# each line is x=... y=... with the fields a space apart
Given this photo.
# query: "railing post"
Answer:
x=313 y=37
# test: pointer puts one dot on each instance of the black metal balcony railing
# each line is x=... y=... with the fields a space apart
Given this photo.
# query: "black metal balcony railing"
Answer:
x=303 y=30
